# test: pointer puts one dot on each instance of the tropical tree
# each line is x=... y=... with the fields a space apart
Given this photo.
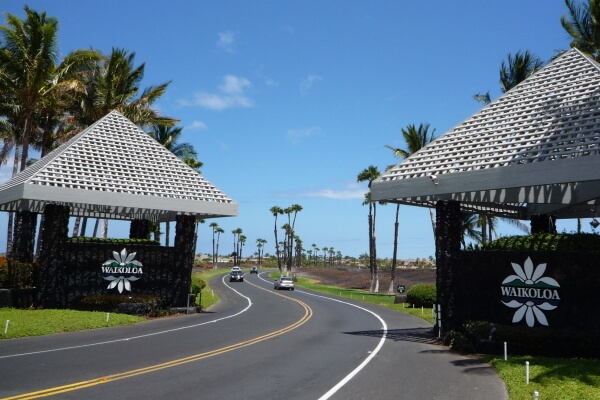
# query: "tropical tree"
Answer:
x=218 y=230
x=415 y=139
x=236 y=245
x=276 y=210
x=369 y=174
x=260 y=244
x=469 y=228
x=113 y=83
x=214 y=226
x=33 y=85
x=169 y=137
x=583 y=25
x=292 y=210
x=517 y=68
x=513 y=71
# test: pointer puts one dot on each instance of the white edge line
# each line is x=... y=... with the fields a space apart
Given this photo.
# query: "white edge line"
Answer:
x=367 y=360
x=140 y=336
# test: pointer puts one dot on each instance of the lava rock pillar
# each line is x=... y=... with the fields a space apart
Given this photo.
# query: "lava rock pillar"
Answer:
x=447 y=253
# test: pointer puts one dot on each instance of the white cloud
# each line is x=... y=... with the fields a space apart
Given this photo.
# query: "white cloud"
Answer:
x=294 y=135
x=308 y=83
x=197 y=125
x=226 y=41
x=230 y=94
x=351 y=191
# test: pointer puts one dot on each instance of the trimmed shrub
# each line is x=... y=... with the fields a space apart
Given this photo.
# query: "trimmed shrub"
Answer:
x=461 y=344
x=21 y=274
x=547 y=241
x=422 y=295
x=133 y=304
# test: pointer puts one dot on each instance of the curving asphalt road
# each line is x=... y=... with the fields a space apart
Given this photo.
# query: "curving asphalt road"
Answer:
x=256 y=343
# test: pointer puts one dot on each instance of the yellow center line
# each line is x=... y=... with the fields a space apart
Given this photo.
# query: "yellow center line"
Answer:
x=169 y=364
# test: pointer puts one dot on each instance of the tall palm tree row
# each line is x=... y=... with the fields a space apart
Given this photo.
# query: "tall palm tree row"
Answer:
x=369 y=174
x=43 y=102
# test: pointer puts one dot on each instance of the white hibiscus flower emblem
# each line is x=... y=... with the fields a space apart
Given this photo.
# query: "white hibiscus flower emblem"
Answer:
x=122 y=270
x=529 y=284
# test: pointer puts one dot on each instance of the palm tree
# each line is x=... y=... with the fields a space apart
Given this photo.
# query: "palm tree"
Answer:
x=260 y=244
x=293 y=209
x=214 y=227
x=236 y=245
x=169 y=136
x=219 y=230
x=369 y=174
x=113 y=83
x=583 y=25
x=276 y=210
x=517 y=68
x=469 y=225
x=32 y=84
x=415 y=139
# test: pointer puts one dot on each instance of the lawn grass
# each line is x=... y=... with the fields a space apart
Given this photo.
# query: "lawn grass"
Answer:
x=208 y=297
x=552 y=378
x=24 y=323
x=382 y=299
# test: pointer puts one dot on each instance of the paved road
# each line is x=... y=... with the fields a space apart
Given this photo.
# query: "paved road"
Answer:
x=256 y=343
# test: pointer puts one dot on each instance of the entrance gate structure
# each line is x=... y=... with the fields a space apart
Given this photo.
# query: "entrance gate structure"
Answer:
x=533 y=154
x=112 y=170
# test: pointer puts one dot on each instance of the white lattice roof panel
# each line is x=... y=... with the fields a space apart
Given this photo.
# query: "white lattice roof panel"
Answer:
x=553 y=117
x=116 y=167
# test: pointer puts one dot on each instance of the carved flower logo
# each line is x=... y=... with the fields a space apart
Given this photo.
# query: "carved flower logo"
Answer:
x=122 y=270
x=530 y=293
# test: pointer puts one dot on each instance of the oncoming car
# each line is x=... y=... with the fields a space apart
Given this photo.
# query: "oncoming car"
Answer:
x=284 y=283
x=236 y=275
x=253 y=270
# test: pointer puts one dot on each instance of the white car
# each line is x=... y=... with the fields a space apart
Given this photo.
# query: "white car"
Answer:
x=284 y=283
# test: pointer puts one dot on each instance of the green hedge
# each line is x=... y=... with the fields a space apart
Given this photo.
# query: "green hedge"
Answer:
x=15 y=274
x=84 y=239
x=547 y=241
x=133 y=304
x=422 y=295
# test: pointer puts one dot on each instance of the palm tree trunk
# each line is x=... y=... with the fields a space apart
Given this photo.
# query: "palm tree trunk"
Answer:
x=395 y=252
x=95 y=233
x=167 y=233
x=105 y=228
x=11 y=216
x=432 y=216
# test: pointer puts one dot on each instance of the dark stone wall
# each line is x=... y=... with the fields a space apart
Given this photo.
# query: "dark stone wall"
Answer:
x=74 y=269
x=478 y=279
x=24 y=236
x=185 y=230
x=52 y=268
x=139 y=229
x=447 y=253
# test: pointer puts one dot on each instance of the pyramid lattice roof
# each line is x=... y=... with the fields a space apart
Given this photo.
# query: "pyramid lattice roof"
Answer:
x=115 y=170
x=535 y=150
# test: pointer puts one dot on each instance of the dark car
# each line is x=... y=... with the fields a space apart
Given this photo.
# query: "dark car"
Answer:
x=236 y=276
x=253 y=270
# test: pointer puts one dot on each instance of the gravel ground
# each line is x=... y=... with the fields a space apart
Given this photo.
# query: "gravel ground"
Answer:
x=356 y=278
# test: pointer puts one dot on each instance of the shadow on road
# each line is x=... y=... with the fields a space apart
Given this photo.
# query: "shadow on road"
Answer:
x=417 y=335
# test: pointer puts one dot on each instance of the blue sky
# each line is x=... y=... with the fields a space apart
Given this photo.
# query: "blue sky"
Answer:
x=287 y=101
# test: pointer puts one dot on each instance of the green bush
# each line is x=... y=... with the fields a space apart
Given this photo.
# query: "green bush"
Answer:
x=461 y=344
x=127 y=304
x=20 y=274
x=84 y=239
x=547 y=241
x=422 y=295
x=537 y=340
